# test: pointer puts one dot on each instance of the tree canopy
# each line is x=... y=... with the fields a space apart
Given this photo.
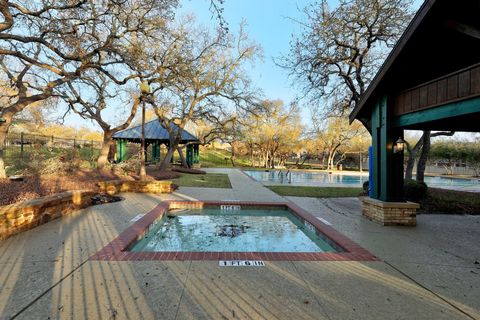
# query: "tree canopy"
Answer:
x=341 y=48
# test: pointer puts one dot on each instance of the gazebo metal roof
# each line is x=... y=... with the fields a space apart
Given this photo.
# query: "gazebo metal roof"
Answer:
x=154 y=131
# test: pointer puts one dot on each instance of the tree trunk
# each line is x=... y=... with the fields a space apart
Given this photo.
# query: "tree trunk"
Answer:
x=172 y=146
x=251 y=156
x=182 y=158
x=331 y=155
x=165 y=162
x=143 y=170
x=3 y=143
x=412 y=154
x=425 y=143
x=3 y=138
x=422 y=160
x=104 y=151
x=232 y=154
x=409 y=167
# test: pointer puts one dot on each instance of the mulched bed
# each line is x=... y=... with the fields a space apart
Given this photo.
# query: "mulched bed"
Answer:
x=188 y=170
x=162 y=175
x=443 y=201
x=39 y=186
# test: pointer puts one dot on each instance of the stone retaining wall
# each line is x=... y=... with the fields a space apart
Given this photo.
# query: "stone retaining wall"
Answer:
x=22 y=216
x=116 y=186
x=390 y=213
x=26 y=215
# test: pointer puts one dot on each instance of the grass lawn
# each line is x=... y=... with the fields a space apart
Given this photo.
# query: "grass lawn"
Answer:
x=213 y=158
x=316 y=192
x=209 y=180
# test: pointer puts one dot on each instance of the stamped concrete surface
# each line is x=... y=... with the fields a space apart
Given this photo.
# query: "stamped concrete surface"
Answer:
x=428 y=272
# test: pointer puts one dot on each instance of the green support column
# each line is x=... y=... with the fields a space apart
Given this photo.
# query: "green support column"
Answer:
x=196 y=153
x=375 y=169
x=387 y=167
x=189 y=154
x=156 y=151
x=121 y=150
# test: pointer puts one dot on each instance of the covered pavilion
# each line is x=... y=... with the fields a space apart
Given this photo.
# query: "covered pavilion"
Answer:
x=156 y=135
x=430 y=81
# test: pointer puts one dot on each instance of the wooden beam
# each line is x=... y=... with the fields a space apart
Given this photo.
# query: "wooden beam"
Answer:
x=463 y=28
x=446 y=111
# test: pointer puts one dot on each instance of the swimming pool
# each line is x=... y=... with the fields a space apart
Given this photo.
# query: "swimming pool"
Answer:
x=306 y=178
x=309 y=178
x=231 y=231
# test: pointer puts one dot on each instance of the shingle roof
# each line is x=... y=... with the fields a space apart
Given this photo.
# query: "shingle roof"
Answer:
x=153 y=131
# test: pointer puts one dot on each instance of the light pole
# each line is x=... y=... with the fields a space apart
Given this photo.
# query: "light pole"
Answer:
x=144 y=90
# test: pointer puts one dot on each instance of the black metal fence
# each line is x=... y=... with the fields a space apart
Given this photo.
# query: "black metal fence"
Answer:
x=21 y=145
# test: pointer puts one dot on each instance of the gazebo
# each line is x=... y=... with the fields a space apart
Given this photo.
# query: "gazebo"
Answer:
x=156 y=135
x=430 y=81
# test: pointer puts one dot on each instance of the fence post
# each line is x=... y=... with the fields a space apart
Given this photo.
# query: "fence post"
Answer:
x=74 y=143
x=52 y=141
x=21 y=145
x=91 y=152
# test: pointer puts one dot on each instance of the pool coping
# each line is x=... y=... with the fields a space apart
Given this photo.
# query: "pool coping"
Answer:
x=117 y=249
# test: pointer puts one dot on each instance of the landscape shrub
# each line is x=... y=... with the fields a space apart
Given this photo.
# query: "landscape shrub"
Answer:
x=366 y=187
x=414 y=190
x=39 y=162
x=131 y=165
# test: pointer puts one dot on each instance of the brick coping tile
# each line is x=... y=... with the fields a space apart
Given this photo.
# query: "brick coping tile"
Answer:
x=117 y=249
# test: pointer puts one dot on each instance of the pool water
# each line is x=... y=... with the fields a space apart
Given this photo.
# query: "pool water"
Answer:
x=306 y=178
x=243 y=230
x=323 y=178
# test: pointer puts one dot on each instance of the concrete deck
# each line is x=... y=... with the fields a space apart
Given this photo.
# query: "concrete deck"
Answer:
x=427 y=272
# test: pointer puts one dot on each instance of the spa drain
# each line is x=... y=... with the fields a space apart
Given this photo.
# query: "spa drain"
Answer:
x=231 y=230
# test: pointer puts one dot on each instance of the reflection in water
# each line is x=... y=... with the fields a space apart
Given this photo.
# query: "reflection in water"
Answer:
x=212 y=230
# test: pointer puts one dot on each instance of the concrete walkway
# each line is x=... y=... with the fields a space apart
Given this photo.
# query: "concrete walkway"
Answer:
x=441 y=254
x=244 y=188
x=428 y=272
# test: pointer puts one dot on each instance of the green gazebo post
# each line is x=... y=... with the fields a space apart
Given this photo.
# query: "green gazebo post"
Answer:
x=121 y=150
x=156 y=151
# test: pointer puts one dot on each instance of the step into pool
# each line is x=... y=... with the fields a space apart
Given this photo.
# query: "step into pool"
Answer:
x=238 y=231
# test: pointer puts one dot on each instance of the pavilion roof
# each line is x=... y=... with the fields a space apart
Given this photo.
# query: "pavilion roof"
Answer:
x=154 y=131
